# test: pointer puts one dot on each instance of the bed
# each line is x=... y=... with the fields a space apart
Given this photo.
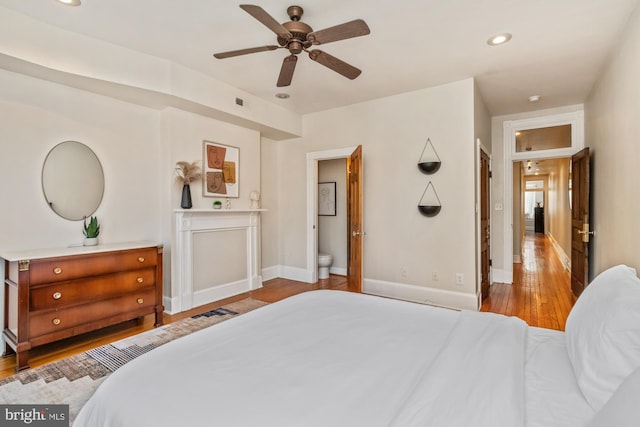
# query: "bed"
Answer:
x=334 y=358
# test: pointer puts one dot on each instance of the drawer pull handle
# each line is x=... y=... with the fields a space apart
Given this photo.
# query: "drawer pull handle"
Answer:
x=139 y=280
x=56 y=321
x=57 y=295
x=57 y=270
x=140 y=259
x=140 y=300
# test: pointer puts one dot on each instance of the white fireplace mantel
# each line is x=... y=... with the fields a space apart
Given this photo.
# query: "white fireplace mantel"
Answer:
x=232 y=238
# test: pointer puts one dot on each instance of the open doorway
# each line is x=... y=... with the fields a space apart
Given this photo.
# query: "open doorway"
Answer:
x=332 y=216
x=353 y=231
x=543 y=205
x=533 y=206
x=540 y=291
x=532 y=148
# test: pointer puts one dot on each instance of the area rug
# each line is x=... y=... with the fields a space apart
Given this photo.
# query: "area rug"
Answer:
x=74 y=379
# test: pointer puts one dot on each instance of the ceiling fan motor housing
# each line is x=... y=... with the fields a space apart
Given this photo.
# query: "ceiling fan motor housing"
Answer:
x=298 y=40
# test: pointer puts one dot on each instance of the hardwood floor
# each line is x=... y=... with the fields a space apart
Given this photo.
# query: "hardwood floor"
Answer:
x=540 y=295
x=541 y=290
x=272 y=291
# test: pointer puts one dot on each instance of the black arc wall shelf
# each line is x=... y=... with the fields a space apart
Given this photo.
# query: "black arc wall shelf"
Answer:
x=429 y=204
x=429 y=162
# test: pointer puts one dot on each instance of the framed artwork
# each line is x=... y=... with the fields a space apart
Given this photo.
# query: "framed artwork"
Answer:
x=221 y=165
x=327 y=198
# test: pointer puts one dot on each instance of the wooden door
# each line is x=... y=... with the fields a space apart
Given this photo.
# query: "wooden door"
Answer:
x=485 y=224
x=354 y=223
x=580 y=231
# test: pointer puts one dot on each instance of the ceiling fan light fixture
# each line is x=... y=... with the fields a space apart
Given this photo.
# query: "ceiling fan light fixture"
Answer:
x=69 y=2
x=499 y=39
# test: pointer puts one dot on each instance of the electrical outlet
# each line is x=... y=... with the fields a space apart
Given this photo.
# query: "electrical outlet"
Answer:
x=403 y=271
x=459 y=279
x=434 y=276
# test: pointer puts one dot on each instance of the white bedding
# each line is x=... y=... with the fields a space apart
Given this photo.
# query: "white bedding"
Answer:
x=332 y=358
x=553 y=396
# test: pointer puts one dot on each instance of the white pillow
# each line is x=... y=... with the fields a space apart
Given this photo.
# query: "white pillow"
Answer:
x=603 y=333
x=622 y=409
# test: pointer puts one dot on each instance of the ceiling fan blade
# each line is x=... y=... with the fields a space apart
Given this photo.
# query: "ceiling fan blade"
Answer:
x=337 y=65
x=286 y=72
x=239 y=52
x=267 y=20
x=347 y=30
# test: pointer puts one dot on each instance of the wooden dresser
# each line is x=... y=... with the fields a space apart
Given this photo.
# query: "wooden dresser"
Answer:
x=55 y=294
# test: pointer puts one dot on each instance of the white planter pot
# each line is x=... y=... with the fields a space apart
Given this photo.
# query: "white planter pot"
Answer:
x=90 y=241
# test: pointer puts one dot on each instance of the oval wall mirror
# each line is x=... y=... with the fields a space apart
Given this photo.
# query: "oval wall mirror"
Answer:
x=72 y=180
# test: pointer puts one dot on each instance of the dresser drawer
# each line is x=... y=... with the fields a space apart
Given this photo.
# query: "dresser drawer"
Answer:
x=53 y=321
x=49 y=270
x=61 y=294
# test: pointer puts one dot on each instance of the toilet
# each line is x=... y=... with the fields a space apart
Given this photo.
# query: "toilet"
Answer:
x=324 y=262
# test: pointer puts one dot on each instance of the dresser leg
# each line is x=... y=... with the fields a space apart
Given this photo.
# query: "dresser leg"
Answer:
x=8 y=351
x=159 y=312
x=22 y=360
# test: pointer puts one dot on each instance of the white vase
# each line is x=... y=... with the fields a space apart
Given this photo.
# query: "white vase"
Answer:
x=90 y=241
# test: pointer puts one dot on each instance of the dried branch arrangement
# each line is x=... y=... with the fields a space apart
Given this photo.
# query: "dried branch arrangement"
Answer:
x=188 y=172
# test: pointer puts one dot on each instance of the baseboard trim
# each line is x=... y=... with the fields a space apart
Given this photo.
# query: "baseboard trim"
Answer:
x=419 y=294
x=562 y=255
x=272 y=272
x=169 y=303
x=502 y=276
x=286 y=272
x=294 y=273
x=337 y=270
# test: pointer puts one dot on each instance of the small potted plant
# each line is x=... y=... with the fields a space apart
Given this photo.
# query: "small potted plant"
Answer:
x=91 y=231
x=217 y=204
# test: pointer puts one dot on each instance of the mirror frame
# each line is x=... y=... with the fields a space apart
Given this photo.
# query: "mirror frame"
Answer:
x=97 y=175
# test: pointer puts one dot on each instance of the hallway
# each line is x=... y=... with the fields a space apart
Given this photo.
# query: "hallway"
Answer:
x=541 y=291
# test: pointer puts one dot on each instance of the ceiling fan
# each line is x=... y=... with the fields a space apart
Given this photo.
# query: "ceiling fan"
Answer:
x=296 y=36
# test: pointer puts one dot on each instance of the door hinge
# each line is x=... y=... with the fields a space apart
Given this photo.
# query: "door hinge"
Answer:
x=490 y=263
x=490 y=174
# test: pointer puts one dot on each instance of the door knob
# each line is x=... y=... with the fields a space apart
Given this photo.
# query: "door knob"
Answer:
x=585 y=232
x=357 y=233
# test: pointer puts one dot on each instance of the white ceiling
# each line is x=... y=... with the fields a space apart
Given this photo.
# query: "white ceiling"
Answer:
x=558 y=46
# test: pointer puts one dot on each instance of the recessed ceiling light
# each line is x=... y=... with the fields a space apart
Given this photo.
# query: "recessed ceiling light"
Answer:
x=499 y=39
x=69 y=2
x=282 y=95
x=534 y=98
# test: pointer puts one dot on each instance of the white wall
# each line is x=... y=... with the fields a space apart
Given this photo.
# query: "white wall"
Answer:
x=182 y=138
x=48 y=52
x=186 y=133
x=140 y=114
x=34 y=117
x=137 y=147
x=557 y=210
x=332 y=230
x=393 y=132
x=612 y=129
x=269 y=185
x=482 y=120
